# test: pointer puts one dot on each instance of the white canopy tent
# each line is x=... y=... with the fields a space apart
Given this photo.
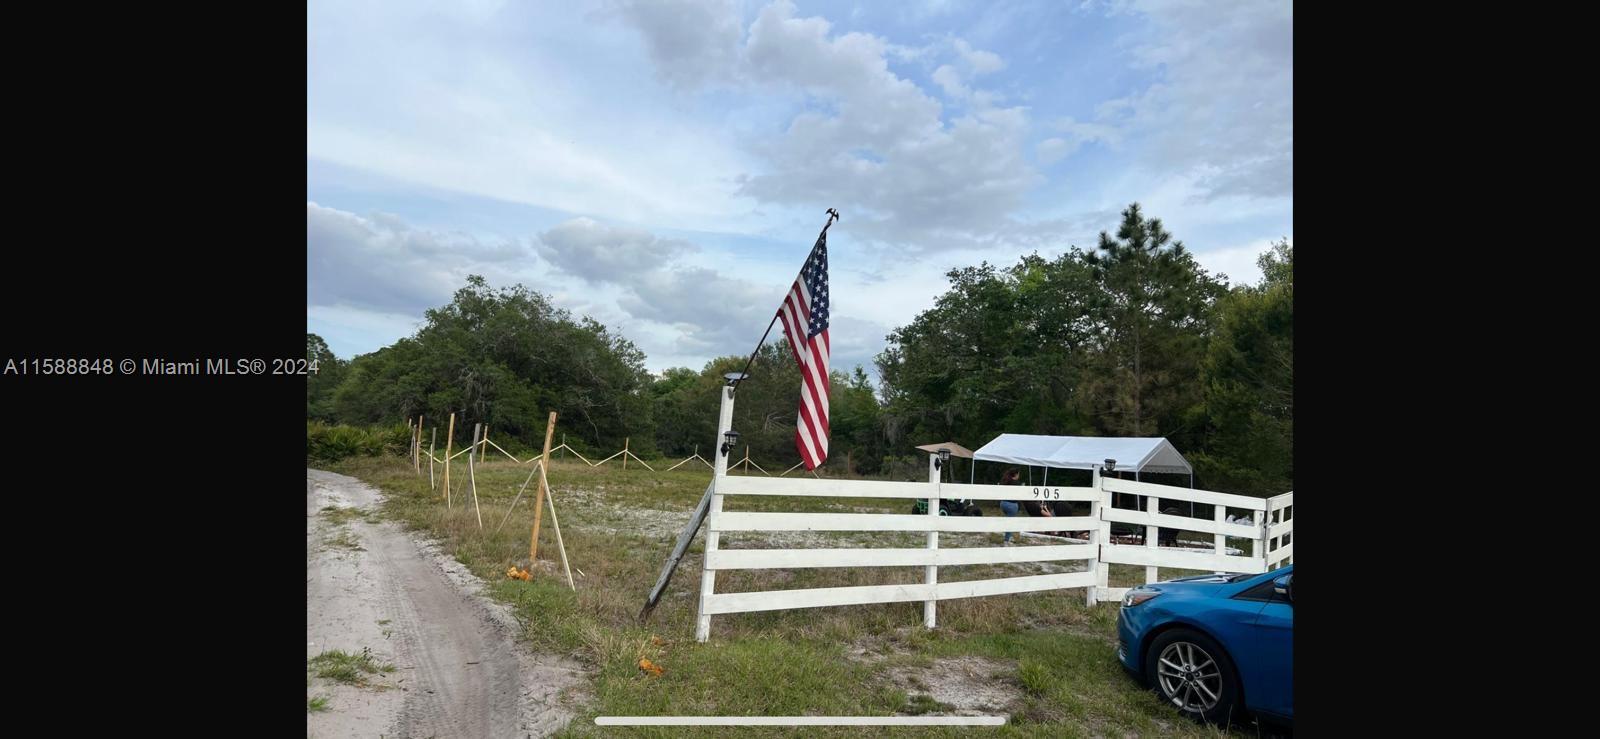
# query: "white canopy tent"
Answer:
x=1135 y=454
x=1153 y=454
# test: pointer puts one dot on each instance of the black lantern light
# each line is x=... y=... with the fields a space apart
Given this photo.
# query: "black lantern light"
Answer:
x=1111 y=465
x=731 y=438
x=944 y=456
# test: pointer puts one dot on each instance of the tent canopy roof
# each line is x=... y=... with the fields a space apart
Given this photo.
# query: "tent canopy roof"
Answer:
x=956 y=450
x=1153 y=454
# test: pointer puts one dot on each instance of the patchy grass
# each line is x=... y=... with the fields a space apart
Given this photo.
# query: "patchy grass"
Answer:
x=350 y=669
x=317 y=704
x=619 y=526
x=343 y=539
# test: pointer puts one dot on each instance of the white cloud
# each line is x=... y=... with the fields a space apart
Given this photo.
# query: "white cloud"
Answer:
x=1237 y=262
x=495 y=103
x=381 y=264
x=1224 y=105
x=867 y=136
x=979 y=61
x=948 y=78
x=691 y=42
x=600 y=253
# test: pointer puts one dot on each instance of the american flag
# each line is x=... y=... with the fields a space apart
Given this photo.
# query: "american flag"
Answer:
x=805 y=321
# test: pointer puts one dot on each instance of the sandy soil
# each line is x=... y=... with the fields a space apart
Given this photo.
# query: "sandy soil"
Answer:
x=459 y=671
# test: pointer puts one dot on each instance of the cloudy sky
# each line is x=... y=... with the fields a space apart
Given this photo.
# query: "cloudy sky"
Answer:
x=664 y=166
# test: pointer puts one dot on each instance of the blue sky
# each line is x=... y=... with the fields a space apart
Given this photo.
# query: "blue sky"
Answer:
x=664 y=166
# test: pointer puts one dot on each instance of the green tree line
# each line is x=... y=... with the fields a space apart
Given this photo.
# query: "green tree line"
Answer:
x=1130 y=338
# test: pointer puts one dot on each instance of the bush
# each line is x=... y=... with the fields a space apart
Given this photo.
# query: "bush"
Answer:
x=325 y=443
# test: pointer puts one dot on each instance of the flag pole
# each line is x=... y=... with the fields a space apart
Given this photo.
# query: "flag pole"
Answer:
x=833 y=215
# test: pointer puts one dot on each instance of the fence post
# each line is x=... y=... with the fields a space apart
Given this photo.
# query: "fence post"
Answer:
x=1221 y=517
x=1098 y=539
x=1151 y=572
x=1259 y=546
x=416 y=449
x=708 y=576
x=625 y=441
x=538 y=495
x=477 y=434
x=928 y=615
x=1103 y=575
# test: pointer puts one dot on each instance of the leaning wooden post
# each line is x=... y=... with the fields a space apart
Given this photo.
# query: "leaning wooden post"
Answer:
x=708 y=576
x=932 y=572
x=431 y=442
x=485 y=440
x=416 y=449
x=472 y=480
x=625 y=441
x=538 y=496
x=449 y=437
x=544 y=483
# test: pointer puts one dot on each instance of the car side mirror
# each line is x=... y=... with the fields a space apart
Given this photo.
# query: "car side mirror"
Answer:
x=1284 y=586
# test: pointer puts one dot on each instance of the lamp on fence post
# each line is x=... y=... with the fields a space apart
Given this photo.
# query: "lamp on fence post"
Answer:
x=1111 y=466
x=731 y=439
x=944 y=456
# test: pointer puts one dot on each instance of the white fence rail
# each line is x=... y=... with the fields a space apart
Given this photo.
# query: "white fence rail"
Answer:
x=1270 y=520
x=1225 y=509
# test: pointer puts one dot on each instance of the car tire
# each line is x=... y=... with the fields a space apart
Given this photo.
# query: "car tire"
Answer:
x=1189 y=689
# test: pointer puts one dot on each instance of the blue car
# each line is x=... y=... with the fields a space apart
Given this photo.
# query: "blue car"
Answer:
x=1214 y=646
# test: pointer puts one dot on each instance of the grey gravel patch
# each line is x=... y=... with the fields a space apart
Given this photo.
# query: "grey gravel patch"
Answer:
x=971 y=686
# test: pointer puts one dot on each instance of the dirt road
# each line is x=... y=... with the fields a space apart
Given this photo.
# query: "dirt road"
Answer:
x=458 y=671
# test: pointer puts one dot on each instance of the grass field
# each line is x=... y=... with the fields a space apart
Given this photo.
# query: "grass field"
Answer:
x=1045 y=659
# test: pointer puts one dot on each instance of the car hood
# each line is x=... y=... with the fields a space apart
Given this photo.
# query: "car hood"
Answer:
x=1200 y=579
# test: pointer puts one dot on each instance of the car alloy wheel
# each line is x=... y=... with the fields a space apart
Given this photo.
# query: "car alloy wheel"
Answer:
x=1189 y=677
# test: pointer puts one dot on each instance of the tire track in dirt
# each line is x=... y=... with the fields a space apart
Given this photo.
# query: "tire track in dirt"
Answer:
x=458 y=665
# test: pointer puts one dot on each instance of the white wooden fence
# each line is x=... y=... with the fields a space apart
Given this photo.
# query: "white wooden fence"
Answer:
x=1220 y=526
x=1098 y=553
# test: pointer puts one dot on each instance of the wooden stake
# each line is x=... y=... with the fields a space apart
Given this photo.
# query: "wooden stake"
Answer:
x=545 y=484
x=625 y=441
x=416 y=449
x=472 y=477
x=538 y=499
x=449 y=437
x=477 y=431
x=431 y=442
